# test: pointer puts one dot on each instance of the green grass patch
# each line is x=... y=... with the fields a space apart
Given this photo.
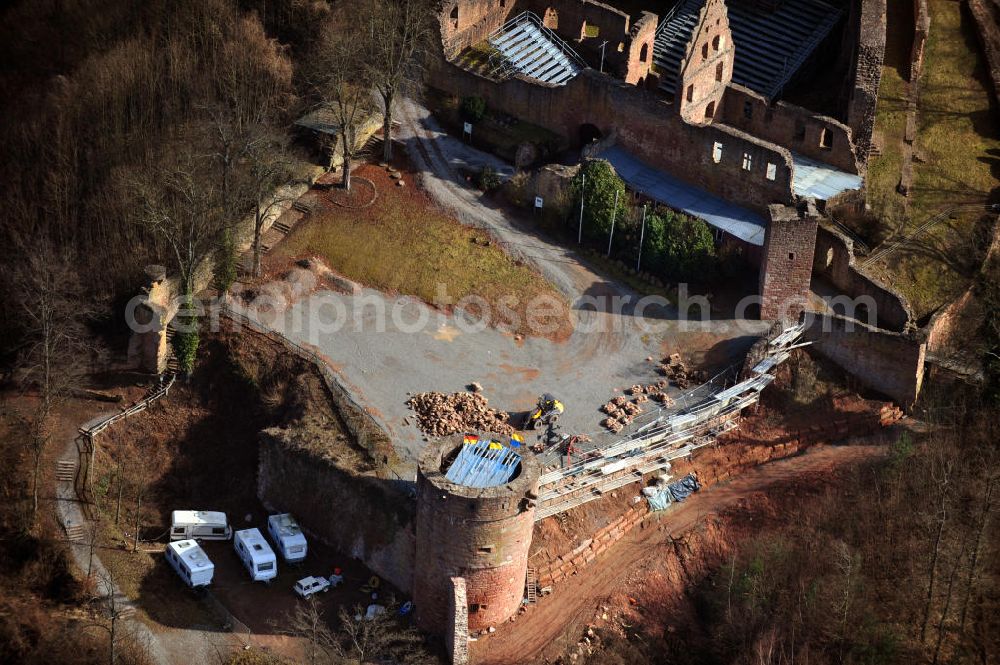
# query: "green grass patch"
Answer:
x=404 y=244
x=957 y=145
x=592 y=31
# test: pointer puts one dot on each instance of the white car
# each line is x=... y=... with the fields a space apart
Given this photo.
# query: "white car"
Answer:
x=307 y=586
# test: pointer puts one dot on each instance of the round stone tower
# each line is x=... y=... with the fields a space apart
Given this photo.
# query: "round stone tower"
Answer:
x=480 y=533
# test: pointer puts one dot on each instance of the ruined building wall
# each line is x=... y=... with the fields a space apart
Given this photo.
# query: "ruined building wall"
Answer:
x=646 y=126
x=834 y=260
x=793 y=127
x=363 y=516
x=891 y=363
x=707 y=67
x=871 y=25
x=640 y=48
x=786 y=268
x=468 y=22
x=482 y=535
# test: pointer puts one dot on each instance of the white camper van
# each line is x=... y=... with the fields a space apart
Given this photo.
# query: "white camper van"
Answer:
x=190 y=562
x=287 y=535
x=200 y=525
x=256 y=555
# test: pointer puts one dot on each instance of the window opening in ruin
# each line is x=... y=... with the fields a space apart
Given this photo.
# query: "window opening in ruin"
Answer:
x=704 y=51
x=454 y=17
x=690 y=92
x=718 y=42
x=644 y=53
x=717 y=152
x=473 y=608
x=503 y=3
x=718 y=71
x=747 y=159
x=800 y=131
x=791 y=256
x=772 y=171
x=748 y=110
x=825 y=139
x=487 y=549
x=710 y=111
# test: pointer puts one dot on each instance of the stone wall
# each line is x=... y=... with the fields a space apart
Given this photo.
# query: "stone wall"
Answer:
x=922 y=28
x=456 y=637
x=867 y=76
x=707 y=66
x=819 y=137
x=834 y=261
x=646 y=126
x=640 y=49
x=786 y=268
x=888 y=362
x=468 y=22
x=986 y=14
x=368 y=518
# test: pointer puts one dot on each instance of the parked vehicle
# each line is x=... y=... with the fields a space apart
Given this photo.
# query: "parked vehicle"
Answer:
x=288 y=537
x=256 y=555
x=191 y=563
x=199 y=525
x=307 y=586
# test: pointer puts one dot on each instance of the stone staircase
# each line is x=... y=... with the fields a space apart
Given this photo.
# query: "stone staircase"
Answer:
x=66 y=470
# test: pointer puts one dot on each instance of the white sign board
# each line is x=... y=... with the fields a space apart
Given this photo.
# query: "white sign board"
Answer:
x=467 y=128
x=538 y=201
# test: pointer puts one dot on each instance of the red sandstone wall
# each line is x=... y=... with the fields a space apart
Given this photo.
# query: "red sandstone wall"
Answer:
x=891 y=363
x=484 y=540
x=646 y=126
x=468 y=22
x=786 y=269
x=834 y=260
x=790 y=126
x=870 y=53
x=707 y=66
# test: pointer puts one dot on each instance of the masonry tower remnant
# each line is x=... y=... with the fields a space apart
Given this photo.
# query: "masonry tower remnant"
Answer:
x=481 y=534
x=786 y=266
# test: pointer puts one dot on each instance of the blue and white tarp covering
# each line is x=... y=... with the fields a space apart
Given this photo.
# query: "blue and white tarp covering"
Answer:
x=674 y=492
x=484 y=463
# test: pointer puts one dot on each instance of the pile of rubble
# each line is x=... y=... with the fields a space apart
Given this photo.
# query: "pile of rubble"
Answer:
x=622 y=411
x=676 y=371
x=441 y=414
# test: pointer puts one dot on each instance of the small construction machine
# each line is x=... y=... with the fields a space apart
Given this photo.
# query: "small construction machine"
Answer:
x=547 y=412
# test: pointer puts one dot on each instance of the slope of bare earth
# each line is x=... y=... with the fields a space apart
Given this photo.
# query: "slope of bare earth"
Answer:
x=676 y=543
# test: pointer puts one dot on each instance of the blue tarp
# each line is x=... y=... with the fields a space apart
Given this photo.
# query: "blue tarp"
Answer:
x=676 y=491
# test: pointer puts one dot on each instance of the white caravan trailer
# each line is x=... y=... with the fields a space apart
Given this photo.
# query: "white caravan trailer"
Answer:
x=200 y=525
x=287 y=535
x=256 y=555
x=190 y=562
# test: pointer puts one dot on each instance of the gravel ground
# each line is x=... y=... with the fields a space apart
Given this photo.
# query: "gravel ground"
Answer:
x=381 y=360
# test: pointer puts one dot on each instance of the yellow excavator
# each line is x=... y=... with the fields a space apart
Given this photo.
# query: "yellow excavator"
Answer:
x=547 y=412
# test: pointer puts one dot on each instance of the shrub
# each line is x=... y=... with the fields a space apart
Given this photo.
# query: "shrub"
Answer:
x=488 y=179
x=473 y=109
x=678 y=246
x=598 y=183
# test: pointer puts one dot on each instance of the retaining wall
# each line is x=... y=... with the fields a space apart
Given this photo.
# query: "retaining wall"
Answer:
x=889 y=362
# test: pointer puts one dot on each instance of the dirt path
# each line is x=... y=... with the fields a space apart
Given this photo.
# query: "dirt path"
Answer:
x=572 y=605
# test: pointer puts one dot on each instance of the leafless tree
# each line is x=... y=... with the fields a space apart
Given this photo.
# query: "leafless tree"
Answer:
x=307 y=623
x=268 y=168
x=57 y=349
x=378 y=638
x=399 y=31
x=342 y=83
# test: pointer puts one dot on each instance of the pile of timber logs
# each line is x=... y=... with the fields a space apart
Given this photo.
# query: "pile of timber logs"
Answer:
x=442 y=414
